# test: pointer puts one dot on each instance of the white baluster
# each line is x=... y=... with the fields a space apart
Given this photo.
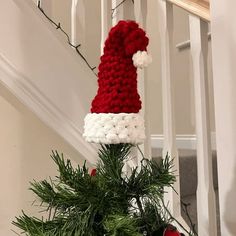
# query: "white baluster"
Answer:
x=39 y=2
x=205 y=192
x=118 y=13
x=74 y=4
x=166 y=31
x=140 y=13
x=105 y=13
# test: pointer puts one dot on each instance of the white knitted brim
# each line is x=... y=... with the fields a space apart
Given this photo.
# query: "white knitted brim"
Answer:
x=111 y=128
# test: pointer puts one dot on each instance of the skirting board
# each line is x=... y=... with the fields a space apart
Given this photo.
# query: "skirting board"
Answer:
x=182 y=141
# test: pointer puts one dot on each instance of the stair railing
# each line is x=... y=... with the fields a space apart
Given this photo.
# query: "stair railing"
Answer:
x=199 y=18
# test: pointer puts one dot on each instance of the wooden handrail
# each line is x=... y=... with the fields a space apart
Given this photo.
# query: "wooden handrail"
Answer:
x=200 y=8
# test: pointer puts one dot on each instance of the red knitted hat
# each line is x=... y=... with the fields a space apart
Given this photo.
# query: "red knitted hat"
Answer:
x=114 y=116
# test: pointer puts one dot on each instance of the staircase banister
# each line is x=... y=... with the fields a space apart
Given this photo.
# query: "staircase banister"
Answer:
x=200 y=8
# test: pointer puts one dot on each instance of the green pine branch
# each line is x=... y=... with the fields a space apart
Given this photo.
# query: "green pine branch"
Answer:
x=109 y=203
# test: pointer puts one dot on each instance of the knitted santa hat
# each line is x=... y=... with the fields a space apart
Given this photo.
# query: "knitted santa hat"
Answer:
x=114 y=116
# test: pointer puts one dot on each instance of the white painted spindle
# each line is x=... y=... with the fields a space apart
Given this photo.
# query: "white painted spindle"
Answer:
x=205 y=192
x=140 y=13
x=105 y=13
x=166 y=31
x=118 y=13
x=74 y=4
x=39 y=2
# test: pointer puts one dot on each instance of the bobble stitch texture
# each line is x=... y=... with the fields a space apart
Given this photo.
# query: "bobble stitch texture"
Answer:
x=113 y=128
x=117 y=77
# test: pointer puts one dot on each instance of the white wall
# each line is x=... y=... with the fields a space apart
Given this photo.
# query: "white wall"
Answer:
x=25 y=144
x=224 y=57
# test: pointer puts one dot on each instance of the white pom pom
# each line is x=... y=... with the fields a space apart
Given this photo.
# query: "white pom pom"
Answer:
x=141 y=59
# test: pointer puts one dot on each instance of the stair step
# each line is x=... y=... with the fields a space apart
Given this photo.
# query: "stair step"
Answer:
x=188 y=182
x=188 y=170
x=192 y=210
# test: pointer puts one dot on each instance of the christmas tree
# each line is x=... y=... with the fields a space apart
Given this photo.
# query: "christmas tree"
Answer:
x=108 y=201
x=105 y=201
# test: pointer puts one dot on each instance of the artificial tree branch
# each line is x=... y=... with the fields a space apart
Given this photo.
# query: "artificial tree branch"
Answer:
x=170 y=215
x=140 y=207
x=76 y=47
x=140 y=151
x=182 y=203
x=185 y=209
